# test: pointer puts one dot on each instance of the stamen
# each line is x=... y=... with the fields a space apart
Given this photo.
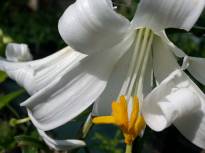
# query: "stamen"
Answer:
x=134 y=114
x=137 y=67
x=131 y=122
x=140 y=125
x=130 y=128
x=104 y=120
x=139 y=62
x=124 y=89
x=139 y=88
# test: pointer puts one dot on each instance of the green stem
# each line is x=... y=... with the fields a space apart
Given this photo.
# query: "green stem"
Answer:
x=14 y=122
x=24 y=120
x=128 y=148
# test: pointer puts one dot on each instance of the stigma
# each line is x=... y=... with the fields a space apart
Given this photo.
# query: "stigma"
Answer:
x=130 y=126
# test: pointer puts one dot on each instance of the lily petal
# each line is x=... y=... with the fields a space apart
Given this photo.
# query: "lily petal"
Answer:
x=103 y=106
x=196 y=68
x=176 y=100
x=90 y=26
x=174 y=97
x=194 y=65
x=163 y=59
x=177 y=51
x=61 y=144
x=18 y=52
x=161 y=14
x=179 y=101
x=35 y=75
x=70 y=94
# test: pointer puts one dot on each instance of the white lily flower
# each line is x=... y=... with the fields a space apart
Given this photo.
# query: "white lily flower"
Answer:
x=114 y=58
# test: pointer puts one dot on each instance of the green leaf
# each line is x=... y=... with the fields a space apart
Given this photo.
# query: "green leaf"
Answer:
x=5 y=100
x=3 y=76
x=24 y=140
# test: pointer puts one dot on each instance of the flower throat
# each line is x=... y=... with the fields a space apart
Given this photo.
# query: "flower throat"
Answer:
x=130 y=121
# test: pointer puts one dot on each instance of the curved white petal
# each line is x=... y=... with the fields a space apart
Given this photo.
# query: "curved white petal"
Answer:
x=35 y=75
x=161 y=14
x=18 y=52
x=90 y=26
x=177 y=51
x=179 y=101
x=61 y=144
x=196 y=68
x=74 y=91
x=191 y=125
x=175 y=97
x=194 y=65
x=163 y=59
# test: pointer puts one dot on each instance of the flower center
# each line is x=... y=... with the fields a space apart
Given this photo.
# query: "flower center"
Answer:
x=132 y=127
x=126 y=113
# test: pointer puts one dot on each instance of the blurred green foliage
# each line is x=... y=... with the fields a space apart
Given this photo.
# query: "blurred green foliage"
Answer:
x=3 y=76
x=24 y=25
x=4 y=40
x=107 y=144
x=38 y=28
x=27 y=141
x=6 y=99
x=6 y=137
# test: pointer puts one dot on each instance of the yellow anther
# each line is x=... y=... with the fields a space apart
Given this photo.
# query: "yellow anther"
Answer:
x=139 y=125
x=134 y=114
x=104 y=120
x=130 y=128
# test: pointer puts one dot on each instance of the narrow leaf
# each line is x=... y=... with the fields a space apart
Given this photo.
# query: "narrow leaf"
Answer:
x=5 y=100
